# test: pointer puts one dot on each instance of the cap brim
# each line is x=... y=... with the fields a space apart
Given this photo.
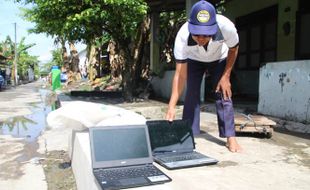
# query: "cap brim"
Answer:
x=202 y=30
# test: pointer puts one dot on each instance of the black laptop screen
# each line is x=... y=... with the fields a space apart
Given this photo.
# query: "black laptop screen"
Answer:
x=170 y=137
x=120 y=144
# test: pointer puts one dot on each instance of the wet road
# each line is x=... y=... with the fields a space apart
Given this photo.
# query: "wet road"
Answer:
x=23 y=112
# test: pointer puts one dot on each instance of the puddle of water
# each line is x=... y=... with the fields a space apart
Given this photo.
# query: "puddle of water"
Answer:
x=30 y=127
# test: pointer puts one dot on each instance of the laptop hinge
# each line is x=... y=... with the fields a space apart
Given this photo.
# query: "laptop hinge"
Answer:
x=171 y=152
x=138 y=165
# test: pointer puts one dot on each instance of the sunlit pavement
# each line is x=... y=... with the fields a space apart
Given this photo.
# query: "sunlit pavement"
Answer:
x=19 y=166
x=282 y=162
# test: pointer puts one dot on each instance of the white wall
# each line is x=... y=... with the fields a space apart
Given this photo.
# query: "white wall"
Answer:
x=284 y=90
x=30 y=74
x=162 y=86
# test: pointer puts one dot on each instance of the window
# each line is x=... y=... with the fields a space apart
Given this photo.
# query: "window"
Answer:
x=258 y=38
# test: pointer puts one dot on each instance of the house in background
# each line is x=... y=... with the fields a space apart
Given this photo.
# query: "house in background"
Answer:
x=273 y=67
x=273 y=62
x=269 y=31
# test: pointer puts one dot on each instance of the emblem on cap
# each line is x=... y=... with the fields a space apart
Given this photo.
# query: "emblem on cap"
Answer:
x=203 y=16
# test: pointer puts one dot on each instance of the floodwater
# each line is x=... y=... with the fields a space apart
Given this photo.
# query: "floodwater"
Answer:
x=29 y=127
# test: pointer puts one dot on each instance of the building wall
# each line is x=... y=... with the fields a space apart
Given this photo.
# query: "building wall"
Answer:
x=286 y=14
x=31 y=75
x=284 y=90
x=241 y=84
x=286 y=42
x=285 y=50
x=162 y=86
x=237 y=8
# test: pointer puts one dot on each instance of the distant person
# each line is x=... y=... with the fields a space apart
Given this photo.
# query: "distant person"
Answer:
x=206 y=43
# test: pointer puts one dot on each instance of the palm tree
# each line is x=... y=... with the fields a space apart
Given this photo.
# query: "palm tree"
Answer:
x=24 y=60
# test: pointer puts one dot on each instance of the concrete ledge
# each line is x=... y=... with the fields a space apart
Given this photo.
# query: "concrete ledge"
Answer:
x=284 y=90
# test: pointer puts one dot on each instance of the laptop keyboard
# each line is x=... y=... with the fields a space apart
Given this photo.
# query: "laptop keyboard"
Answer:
x=127 y=172
x=182 y=157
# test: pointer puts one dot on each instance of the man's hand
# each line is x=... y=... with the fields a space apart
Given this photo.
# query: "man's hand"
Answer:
x=224 y=87
x=170 y=115
x=178 y=83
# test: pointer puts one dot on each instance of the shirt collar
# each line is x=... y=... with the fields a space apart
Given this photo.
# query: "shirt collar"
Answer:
x=218 y=36
x=191 y=42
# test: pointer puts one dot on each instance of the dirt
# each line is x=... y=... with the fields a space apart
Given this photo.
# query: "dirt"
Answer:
x=58 y=171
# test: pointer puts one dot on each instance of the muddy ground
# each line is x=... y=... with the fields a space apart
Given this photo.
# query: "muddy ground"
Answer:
x=58 y=172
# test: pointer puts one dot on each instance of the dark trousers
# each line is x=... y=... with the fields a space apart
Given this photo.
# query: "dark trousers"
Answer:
x=224 y=108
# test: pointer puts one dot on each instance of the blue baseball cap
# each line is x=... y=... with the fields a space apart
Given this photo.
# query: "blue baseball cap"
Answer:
x=202 y=19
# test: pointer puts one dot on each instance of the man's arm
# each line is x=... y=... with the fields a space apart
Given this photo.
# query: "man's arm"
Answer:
x=224 y=85
x=178 y=84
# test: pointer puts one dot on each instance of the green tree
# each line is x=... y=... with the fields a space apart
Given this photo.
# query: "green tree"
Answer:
x=7 y=49
x=88 y=21
x=170 y=23
x=24 y=60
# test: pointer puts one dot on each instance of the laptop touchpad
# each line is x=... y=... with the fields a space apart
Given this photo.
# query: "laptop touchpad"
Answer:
x=132 y=181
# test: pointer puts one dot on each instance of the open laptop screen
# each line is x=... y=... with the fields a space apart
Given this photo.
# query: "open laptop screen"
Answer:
x=120 y=144
x=168 y=136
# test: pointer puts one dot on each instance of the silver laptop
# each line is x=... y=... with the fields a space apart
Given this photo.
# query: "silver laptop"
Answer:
x=122 y=157
x=173 y=145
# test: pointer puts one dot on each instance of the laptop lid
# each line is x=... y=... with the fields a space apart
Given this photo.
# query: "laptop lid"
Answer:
x=165 y=136
x=113 y=146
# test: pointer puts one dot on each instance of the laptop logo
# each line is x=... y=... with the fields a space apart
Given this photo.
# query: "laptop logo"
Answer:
x=123 y=162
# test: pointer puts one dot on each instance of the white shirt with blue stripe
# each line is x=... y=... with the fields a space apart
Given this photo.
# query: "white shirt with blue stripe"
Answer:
x=216 y=49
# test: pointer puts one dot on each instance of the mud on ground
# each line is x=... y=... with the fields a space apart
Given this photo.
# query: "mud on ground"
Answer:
x=58 y=171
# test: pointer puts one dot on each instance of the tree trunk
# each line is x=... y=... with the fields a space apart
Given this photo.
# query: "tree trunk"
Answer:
x=92 y=60
x=132 y=54
x=116 y=66
x=74 y=62
x=128 y=82
x=65 y=56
